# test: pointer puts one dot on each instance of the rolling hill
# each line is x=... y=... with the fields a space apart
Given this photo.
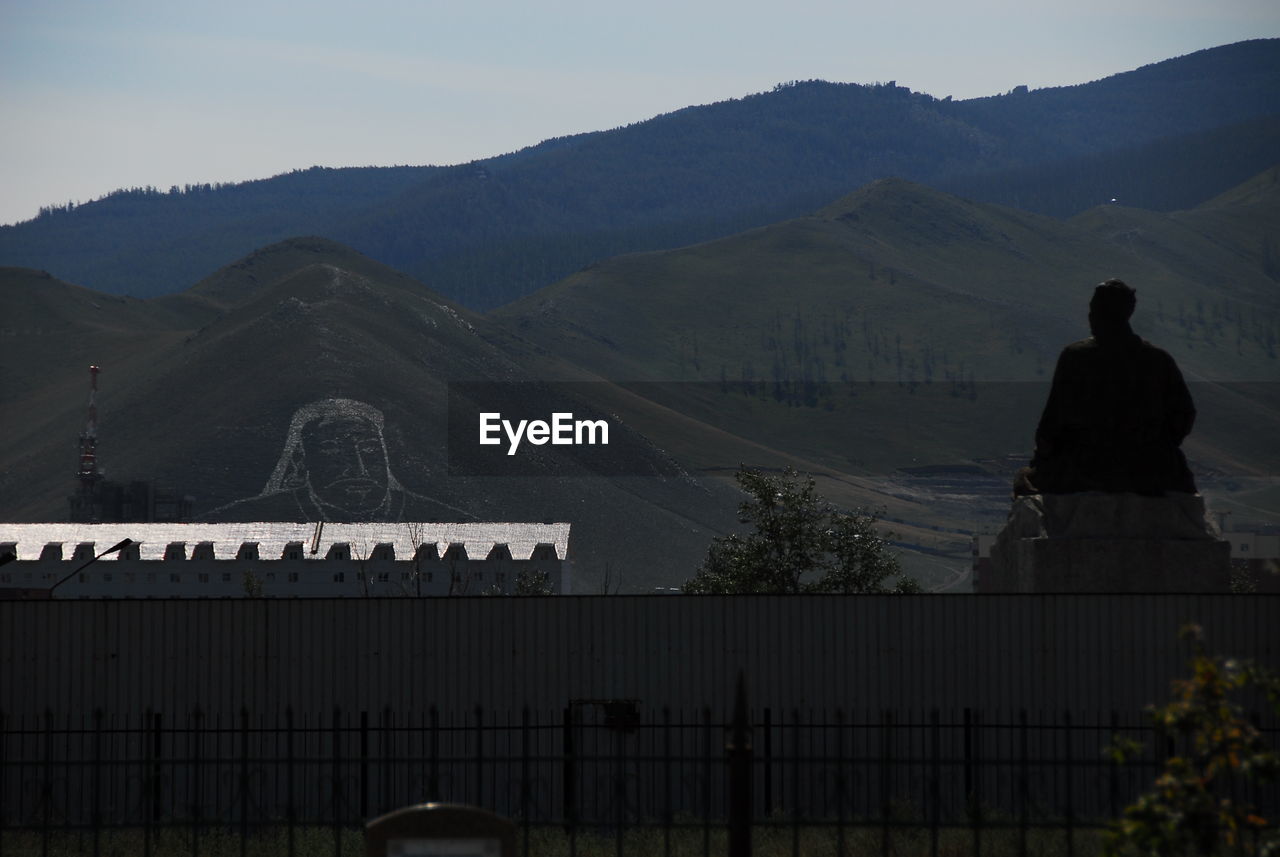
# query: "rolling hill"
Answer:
x=901 y=327
x=485 y=233
x=896 y=342
x=202 y=392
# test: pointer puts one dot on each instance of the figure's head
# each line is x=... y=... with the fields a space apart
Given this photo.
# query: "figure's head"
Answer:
x=336 y=451
x=1112 y=305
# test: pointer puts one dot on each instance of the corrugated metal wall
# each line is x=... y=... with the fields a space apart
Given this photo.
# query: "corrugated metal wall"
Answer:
x=808 y=653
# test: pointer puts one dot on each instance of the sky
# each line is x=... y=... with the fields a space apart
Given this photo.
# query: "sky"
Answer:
x=96 y=96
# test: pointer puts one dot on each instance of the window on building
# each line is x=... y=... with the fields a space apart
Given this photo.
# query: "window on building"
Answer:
x=339 y=577
x=106 y=577
x=293 y=577
x=1244 y=548
x=404 y=575
x=4 y=578
x=271 y=576
x=130 y=577
x=384 y=577
x=226 y=577
x=429 y=576
x=151 y=577
x=203 y=577
x=175 y=578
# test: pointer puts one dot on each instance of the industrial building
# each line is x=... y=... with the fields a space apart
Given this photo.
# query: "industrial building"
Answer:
x=281 y=560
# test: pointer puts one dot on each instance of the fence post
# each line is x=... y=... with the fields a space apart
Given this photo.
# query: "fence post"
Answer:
x=1071 y=815
x=291 y=809
x=244 y=781
x=46 y=786
x=433 y=783
x=968 y=758
x=1024 y=784
x=570 y=776
x=935 y=790
x=768 y=763
x=708 y=772
x=197 y=789
x=154 y=806
x=886 y=756
x=97 y=782
x=524 y=777
x=619 y=788
x=971 y=759
x=386 y=756
x=738 y=750
x=337 y=782
x=840 y=782
x=667 y=817
x=798 y=759
x=479 y=799
x=364 y=765
x=1113 y=770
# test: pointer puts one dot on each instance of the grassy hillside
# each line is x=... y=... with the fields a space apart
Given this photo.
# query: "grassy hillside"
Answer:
x=491 y=231
x=203 y=403
x=901 y=327
x=897 y=343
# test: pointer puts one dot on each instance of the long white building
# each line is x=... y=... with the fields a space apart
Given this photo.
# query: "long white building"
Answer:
x=280 y=560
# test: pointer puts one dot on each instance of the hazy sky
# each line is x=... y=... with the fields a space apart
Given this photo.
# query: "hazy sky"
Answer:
x=100 y=95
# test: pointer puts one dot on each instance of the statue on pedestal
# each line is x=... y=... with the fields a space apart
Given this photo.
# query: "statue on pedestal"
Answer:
x=1117 y=413
x=1108 y=503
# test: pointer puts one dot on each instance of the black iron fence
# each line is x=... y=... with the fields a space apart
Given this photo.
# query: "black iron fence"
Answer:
x=599 y=771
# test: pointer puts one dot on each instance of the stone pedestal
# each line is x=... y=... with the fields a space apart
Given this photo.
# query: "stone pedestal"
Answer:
x=1094 y=542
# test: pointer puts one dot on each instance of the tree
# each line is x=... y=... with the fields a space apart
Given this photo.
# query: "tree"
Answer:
x=252 y=583
x=801 y=543
x=533 y=583
x=1193 y=806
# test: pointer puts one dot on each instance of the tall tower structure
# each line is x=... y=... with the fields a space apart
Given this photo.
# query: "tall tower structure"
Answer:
x=85 y=502
x=88 y=472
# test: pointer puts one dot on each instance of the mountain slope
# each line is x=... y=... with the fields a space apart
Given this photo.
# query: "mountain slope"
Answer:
x=491 y=231
x=212 y=407
x=901 y=326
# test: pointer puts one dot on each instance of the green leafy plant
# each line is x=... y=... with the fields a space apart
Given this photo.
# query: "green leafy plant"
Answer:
x=533 y=583
x=1191 y=808
x=251 y=583
x=801 y=543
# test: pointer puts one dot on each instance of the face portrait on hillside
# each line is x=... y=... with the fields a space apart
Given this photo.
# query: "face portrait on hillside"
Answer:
x=335 y=463
x=344 y=459
x=335 y=467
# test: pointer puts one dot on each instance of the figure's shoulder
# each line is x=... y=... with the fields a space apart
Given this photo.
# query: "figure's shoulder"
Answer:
x=1078 y=352
x=1082 y=346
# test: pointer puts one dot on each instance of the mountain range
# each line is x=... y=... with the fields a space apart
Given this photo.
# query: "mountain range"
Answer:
x=895 y=330
x=725 y=285
x=1165 y=136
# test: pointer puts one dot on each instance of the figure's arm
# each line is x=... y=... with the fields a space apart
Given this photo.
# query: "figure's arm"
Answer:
x=1049 y=429
x=1181 y=410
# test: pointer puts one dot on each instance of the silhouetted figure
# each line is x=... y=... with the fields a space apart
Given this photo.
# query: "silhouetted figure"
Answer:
x=1117 y=413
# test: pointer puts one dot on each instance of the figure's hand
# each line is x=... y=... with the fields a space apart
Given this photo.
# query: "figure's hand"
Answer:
x=1022 y=485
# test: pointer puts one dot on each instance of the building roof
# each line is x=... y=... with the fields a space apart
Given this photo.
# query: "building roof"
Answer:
x=272 y=537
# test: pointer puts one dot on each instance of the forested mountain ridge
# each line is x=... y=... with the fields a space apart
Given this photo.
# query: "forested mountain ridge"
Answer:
x=491 y=231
